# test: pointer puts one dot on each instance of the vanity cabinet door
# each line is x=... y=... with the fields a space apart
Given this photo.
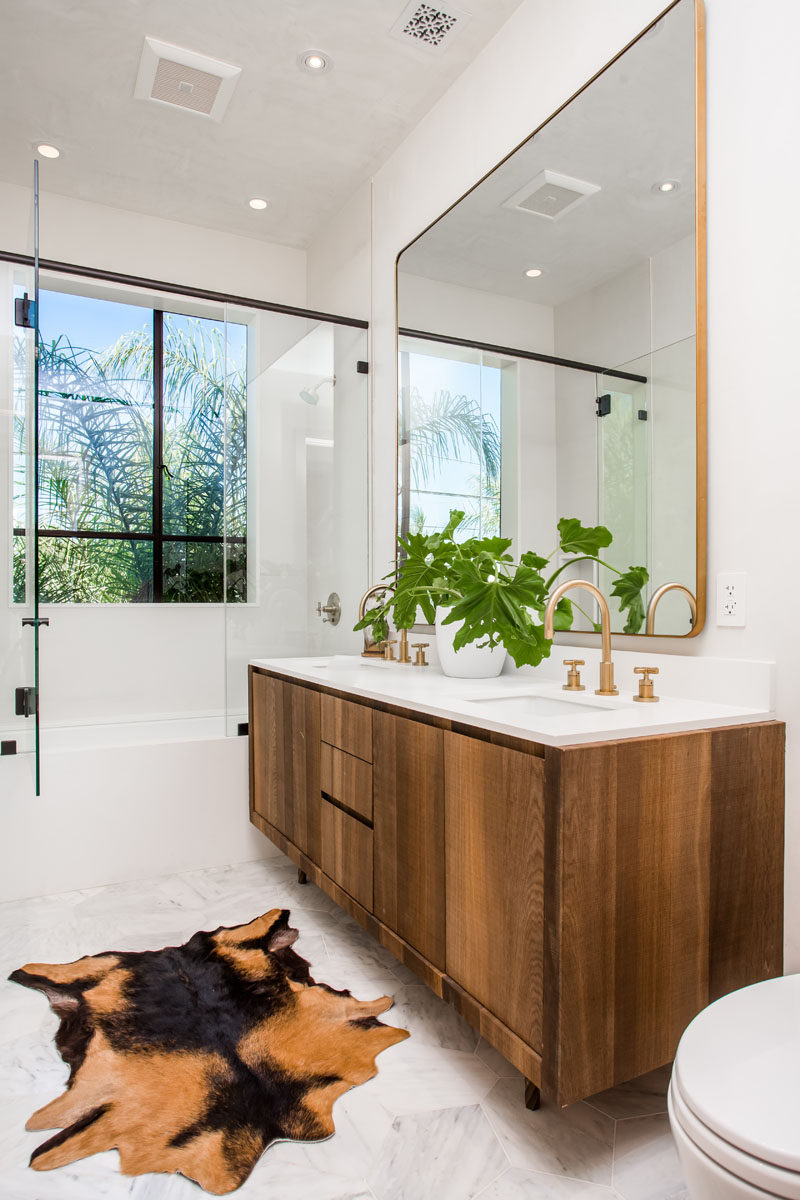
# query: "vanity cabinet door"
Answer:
x=270 y=794
x=408 y=800
x=284 y=747
x=494 y=817
x=301 y=708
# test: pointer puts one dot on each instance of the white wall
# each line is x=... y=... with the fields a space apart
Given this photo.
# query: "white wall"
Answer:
x=113 y=239
x=340 y=262
x=754 y=262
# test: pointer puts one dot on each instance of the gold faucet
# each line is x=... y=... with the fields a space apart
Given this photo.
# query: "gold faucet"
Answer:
x=607 y=685
x=662 y=591
x=402 y=650
x=372 y=649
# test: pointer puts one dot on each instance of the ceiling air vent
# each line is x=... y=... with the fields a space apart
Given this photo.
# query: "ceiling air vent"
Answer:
x=429 y=26
x=551 y=195
x=171 y=75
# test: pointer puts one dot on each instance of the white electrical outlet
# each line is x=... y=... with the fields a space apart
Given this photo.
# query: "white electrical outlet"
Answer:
x=732 y=598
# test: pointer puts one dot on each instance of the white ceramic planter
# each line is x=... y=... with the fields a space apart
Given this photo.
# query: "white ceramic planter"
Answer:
x=469 y=662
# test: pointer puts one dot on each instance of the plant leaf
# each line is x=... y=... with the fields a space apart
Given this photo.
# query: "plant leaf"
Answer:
x=535 y=561
x=628 y=589
x=562 y=617
x=582 y=539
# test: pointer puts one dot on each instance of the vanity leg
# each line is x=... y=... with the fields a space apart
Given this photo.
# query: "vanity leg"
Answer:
x=301 y=876
x=533 y=1097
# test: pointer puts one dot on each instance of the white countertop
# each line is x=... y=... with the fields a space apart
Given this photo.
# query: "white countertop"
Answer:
x=517 y=703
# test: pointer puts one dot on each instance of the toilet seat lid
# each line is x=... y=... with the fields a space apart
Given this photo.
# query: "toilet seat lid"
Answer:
x=738 y=1069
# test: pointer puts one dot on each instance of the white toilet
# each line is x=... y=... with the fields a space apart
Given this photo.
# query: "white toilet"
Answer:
x=734 y=1097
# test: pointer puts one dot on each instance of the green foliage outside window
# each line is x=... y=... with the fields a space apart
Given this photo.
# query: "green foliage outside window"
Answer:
x=96 y=468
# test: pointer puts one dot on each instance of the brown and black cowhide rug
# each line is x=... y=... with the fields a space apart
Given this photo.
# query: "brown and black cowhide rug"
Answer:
x=194 y=1058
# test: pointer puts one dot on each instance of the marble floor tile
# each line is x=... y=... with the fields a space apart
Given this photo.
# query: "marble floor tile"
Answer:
x=362 y=1126
x=431 y=1022
x=533 y=1185
x=450 y=1155
x=646 y=1165
x=642 y=1097
x=494 y=1059
x=423 y=1078
x=443 y=1119
x=577 y=1141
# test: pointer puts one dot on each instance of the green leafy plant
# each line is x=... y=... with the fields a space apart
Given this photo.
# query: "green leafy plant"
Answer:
x=480 y=583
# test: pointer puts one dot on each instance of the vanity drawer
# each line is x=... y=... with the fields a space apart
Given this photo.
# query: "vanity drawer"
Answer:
x=346 y=779
x=347 y=726
x=346 y=855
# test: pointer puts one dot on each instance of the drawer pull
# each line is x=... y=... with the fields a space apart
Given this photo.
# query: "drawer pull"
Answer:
x=350 y=812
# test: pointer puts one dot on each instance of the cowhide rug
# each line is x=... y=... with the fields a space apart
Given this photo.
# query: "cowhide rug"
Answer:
x=194 y=1058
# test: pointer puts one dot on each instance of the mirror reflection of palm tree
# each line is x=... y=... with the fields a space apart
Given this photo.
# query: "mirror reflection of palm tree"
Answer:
x=438 y=429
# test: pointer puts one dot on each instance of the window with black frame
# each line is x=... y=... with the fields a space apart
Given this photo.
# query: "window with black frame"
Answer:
x=142 y=484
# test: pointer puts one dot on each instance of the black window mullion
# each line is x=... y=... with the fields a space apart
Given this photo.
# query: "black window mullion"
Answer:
x=158 y=456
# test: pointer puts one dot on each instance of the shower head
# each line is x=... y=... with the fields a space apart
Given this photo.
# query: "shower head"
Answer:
x=311 y=395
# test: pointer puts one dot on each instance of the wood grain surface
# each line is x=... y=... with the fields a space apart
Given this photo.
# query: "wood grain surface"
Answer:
x=347 y=726
x=347 y=853
x=271 y=789
x=301 y=708
x=409 y=832
x=494 y=850
x=347 y=779
x=747 y=823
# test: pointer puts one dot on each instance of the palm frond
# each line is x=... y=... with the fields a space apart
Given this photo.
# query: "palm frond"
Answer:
x=443 y=427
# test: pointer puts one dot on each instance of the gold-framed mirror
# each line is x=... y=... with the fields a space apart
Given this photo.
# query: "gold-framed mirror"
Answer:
x=552 y=334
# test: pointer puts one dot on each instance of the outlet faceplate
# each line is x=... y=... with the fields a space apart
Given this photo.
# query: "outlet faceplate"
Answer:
x=732 y=598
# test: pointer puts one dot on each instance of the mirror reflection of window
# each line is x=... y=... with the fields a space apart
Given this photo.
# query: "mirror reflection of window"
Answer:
x=451 y=439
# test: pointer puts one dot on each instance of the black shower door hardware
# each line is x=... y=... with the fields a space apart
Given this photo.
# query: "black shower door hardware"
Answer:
x=24 y=702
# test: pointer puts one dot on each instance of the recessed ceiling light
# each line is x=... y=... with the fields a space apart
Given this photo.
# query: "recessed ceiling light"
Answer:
x=48 y=151
x=258 y=203
x=534 y=272
x=314 y=61
x=666 y=185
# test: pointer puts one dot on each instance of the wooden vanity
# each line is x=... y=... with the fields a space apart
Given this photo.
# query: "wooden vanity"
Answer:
x=577 y=904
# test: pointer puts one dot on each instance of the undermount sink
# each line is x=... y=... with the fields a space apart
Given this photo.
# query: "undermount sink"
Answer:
x=532 y=704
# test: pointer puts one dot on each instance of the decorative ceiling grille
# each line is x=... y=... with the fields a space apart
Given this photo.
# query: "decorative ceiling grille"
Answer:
x=428 y=26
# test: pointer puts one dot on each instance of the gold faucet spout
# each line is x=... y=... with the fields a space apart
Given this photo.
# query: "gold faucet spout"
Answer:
x=607 y=685
x=656 y=597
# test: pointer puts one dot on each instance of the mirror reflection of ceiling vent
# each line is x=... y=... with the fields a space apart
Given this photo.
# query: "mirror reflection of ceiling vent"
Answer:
x=551 y=195
x=429 y=26
x=171 y=75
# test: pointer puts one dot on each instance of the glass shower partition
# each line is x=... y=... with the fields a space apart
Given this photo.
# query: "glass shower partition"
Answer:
x=296 y=491
x=646 y=451
x=623 y=473
x=19 y=640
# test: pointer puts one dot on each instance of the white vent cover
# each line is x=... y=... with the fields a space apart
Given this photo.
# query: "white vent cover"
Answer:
x=171 y=75
x=551 y=195
x=429 y=26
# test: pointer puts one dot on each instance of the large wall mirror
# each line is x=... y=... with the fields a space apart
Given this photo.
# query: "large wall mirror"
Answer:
x=552 y=340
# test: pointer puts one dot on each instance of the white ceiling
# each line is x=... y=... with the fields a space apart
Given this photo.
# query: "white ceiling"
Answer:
x=632 y=127
x=68 y=70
